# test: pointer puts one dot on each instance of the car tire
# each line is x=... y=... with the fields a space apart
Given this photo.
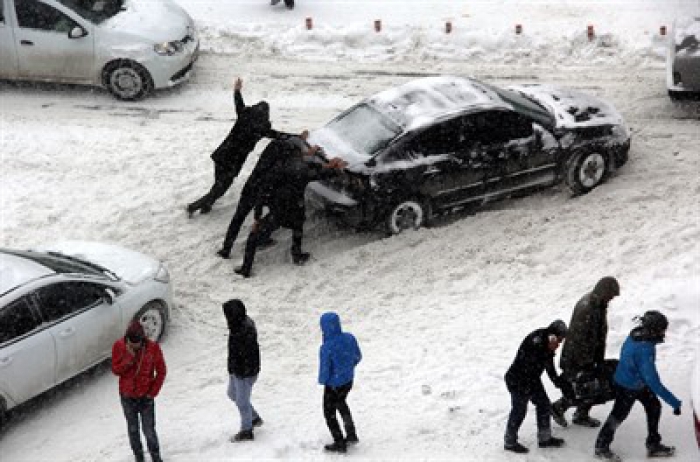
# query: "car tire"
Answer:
x=586 y=170
x=127 y=80
x=407 y=214
x=153 y=319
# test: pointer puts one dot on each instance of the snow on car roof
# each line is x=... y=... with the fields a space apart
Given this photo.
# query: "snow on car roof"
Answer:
x=16 y=270
x=687 y=29
x=421 y=101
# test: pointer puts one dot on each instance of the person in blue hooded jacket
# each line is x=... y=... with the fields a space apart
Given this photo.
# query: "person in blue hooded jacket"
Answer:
x=339 y=355
x=637 y=379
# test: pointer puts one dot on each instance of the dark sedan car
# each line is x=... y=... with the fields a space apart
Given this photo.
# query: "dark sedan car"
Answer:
x=437 y=143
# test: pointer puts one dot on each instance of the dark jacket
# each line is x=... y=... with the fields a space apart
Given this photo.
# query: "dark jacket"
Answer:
x=288 y=184
x=637 y=367
x=533 y=358
x=339 y=353
x=584 y=347
x=252 y=124
x=243 y=348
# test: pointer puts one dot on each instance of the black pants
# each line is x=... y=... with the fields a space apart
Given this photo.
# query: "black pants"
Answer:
x=334 y=400
x=518 y=411
x=267 y=225
x=583 y=404
x=246 y=204
x=223 y=179
x=145 y=408
x=624 y=400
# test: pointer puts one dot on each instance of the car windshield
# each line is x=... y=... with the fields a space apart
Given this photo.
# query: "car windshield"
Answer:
x=365 y=129
x=64 y=264
x=524 y=105
x=95 y=11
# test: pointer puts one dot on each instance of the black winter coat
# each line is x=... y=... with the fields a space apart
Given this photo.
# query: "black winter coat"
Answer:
x=252 y=124
x=288 y=184
x=243 y=349
x=533 y=357
x=584 y=347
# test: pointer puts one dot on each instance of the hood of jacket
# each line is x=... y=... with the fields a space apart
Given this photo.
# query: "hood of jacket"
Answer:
x=606 y=289
x=235 y=313
x=330 y=325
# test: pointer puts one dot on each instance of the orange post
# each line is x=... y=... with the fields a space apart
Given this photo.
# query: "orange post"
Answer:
x=662 y=30
x=309 y=23
x=377 y=25
x=448 y=27
x=518 y=29
x=591 y=32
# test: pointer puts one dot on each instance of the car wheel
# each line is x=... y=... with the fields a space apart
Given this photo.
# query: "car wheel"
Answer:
x=127 y=80
x=407 y=214
x=585 y=171
x=152 y=318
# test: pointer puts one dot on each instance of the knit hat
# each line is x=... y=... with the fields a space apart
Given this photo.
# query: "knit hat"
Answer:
x=558 y=328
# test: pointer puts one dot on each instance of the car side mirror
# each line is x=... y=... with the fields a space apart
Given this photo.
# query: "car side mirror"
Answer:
x=109 y=296
x=77 y=32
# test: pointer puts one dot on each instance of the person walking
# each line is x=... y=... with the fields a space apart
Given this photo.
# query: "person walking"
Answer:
x=636 y=379
x=584 y=349
x=258 y=186
x=243 y=366
x=339 y=355
x=286 y=203
x=140 y=366
x=252 y=124
x=534 y=356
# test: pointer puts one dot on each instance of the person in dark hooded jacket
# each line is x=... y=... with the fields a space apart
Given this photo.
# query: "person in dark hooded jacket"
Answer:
x=339 y=355
x=535 y=355
x=252 y=124
x=286 y=202
x=636 y=379
x=584 y=348
x=259 y=185
x=140 y=366
x=243 y=366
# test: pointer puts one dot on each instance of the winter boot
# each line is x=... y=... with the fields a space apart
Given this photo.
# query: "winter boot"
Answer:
x=351 y=440
x=338 y=446
x=258 y=421
x=223 y=253
x=585 y=421
x=191 y=208
x=155 y=457
x=607 y=454
x=660 y=450
x=243 y=435
x=552 y=442
x=301 y=258
x=245 y=272
x=558 y=415
x=138 y=457
x=516 y=448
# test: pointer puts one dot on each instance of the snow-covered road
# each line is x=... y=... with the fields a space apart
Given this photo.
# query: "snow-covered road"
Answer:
x=439 y=312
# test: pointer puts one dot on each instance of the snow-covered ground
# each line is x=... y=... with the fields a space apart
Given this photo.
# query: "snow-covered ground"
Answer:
x=438 y=312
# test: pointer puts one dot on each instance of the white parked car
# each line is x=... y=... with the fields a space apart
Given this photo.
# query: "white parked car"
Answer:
x=128 y=46
x=63 y=306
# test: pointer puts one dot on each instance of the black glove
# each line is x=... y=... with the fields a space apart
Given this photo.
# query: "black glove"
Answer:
x=677 y=411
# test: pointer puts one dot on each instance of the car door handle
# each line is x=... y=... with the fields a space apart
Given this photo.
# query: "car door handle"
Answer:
x=4 y=362
x=26 y=42
x=67 y=332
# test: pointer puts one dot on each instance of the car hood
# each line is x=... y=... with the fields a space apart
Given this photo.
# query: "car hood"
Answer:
x=571 y=108
x=157 y=20
x=129 y=265
x=334 y=146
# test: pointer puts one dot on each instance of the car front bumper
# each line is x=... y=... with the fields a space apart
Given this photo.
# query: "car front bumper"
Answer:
x=168 y=71
x=321 y=197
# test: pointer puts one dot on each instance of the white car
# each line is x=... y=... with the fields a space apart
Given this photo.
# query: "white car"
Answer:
x=63 y=306
x=128 y=46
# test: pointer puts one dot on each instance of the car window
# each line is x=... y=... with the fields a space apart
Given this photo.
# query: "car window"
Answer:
x=95 y=10
x=442 y=138
x=16 y=319
x=33 y=14
x=498 y=127
x=365 y=129
x=66 y=298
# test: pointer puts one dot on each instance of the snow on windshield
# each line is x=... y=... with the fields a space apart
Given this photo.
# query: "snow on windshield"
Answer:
x=365 y=130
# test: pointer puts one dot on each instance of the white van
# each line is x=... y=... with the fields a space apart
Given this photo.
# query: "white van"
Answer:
x=129 y=47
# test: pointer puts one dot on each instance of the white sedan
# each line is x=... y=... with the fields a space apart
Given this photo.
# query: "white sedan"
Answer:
x=62 y=307
x=128 y=46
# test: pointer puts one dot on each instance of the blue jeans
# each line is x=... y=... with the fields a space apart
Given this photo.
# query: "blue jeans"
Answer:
x=145 y=408
x=239 y=390
x=543 y=409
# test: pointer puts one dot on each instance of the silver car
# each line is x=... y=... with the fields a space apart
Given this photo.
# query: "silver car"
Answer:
x=129 y=47
x=683 y=66
x=63 y=306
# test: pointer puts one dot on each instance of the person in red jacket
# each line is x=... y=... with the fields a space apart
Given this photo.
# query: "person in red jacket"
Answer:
x=140 y=366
